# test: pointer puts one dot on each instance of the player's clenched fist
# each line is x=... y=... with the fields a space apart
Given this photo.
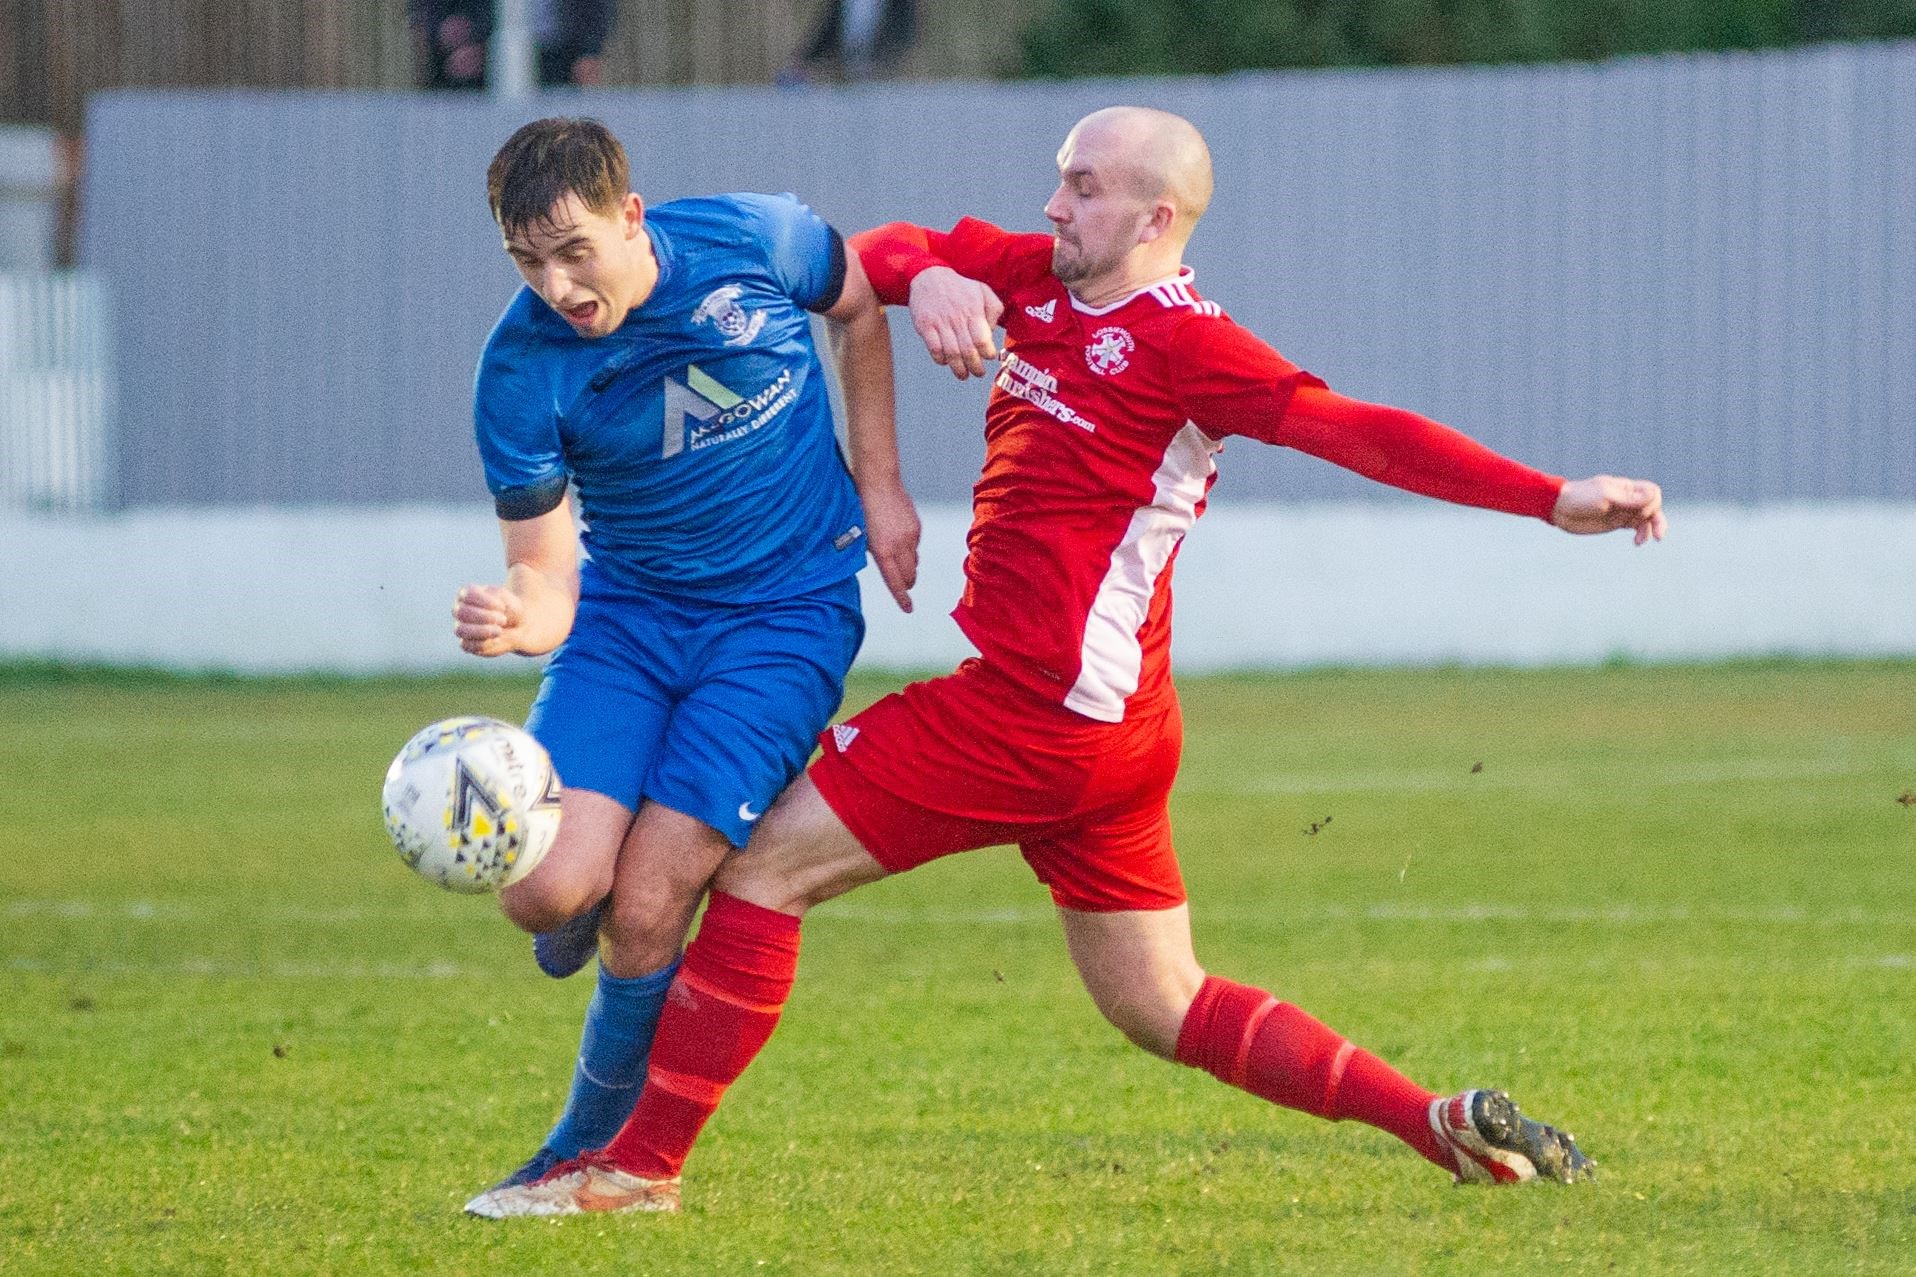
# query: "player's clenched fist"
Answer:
x=954 y=315
x=483 y=616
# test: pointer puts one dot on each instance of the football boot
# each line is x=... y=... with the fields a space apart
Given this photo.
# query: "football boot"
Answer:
x=1493 y=1143
x=566 y=948
x=586 y=1184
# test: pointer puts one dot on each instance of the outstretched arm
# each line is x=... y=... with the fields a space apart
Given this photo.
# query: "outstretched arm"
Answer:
x=531 y=613
x=1409 y=451
x=861 y=349
x=1230 y=382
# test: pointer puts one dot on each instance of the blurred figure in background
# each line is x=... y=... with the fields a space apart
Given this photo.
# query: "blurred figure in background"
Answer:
x=71 y=161
x=571 y=37
x=449 y=42
x=854 y=40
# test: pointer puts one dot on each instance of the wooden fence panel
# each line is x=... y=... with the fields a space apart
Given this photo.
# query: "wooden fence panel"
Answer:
x=54 y=53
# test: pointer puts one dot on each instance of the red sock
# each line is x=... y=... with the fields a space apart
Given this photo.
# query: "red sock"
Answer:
x=1248 y=1038
x=721 y=1009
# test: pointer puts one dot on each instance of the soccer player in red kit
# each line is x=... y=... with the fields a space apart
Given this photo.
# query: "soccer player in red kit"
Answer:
x=1115 y=386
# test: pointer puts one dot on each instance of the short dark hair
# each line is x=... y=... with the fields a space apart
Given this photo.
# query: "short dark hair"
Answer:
x=548 y=159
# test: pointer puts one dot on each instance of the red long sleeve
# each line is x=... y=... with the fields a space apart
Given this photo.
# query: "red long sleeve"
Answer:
x=892 y=256
x=1412 y=452
x=894 y=253
x=1231 y=383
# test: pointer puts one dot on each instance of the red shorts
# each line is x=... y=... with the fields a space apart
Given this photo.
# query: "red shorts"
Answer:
x=974 y=760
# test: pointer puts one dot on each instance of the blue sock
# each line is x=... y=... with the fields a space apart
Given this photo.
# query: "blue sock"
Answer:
x=619 y=1023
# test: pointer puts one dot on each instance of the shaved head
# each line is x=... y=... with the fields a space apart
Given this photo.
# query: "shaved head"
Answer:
x=1132 y=183
x=1161 y=155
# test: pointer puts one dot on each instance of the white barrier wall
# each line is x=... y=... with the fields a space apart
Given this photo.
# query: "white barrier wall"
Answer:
x=370 y=589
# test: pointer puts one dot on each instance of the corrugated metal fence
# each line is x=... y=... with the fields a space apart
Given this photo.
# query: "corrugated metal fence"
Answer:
x=55 y=392
x=1698 y=268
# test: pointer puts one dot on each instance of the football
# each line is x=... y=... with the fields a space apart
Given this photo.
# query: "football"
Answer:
x=472 y=804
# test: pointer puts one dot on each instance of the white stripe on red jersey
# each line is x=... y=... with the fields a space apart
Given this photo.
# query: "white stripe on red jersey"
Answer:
x=1178 y=293
x=1111 y=659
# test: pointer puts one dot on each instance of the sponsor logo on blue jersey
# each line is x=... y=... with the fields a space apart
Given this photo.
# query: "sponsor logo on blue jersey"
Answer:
x=701 y=410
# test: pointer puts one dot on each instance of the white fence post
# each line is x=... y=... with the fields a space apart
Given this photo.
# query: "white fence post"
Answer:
x=511 y=73
x=56 y=392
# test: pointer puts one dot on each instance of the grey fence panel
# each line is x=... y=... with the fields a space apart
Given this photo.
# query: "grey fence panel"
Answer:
x=1700 y=268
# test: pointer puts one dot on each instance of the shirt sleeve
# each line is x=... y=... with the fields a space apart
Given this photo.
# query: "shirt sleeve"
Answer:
x=1412 y=452
x=516 y=424
x=894 y=254
x=1233 y=384
x=805 y=254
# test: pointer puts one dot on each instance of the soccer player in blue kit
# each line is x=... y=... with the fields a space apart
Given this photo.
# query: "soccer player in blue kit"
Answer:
x=661 y=361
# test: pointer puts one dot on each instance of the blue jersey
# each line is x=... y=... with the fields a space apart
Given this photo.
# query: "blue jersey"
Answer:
x=699 y=433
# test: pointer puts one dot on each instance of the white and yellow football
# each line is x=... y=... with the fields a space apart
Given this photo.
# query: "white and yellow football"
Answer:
x=472 y=804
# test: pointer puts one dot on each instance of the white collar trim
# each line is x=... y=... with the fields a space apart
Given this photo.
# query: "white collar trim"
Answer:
x=1184 y=276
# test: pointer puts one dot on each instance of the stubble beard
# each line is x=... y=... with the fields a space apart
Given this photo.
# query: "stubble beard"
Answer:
x=1074 y=266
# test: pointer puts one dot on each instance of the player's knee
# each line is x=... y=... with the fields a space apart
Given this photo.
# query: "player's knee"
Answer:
x=535 y=910
x=645 y=926
x=1151 y=1024
x=789 y=883
x=544 y=900
x=759 y=877
x=766 y=873
x=1150 y=1014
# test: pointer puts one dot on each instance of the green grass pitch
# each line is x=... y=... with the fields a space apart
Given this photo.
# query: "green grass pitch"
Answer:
x=1671 y=908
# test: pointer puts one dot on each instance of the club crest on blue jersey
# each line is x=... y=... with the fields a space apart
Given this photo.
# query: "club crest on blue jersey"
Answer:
x=721 y=309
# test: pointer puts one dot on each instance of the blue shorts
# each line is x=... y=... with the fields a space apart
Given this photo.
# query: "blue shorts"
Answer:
x=709 y=709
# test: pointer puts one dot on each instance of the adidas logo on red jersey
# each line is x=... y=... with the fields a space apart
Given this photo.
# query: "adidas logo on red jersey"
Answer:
x=843 y=735
x=1044 y=314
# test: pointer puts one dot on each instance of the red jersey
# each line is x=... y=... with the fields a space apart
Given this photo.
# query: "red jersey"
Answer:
x=1100 y=437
